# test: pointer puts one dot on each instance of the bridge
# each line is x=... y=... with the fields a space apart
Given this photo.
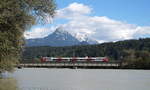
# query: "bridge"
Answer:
x=71 y=65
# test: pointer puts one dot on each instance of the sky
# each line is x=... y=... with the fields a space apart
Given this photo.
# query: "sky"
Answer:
x=101 y=20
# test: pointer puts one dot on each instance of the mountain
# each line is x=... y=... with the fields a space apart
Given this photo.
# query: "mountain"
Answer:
x=84 y=38
x=83 y=43
x=58 y=38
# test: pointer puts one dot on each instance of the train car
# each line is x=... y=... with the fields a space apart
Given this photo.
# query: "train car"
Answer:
x=54 y=59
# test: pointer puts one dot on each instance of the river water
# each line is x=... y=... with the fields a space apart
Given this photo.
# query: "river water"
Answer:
x=82 y=79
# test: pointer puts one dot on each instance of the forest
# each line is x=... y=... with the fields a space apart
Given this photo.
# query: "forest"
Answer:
x=136 y=53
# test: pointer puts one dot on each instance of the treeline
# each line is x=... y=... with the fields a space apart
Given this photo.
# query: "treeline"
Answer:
x=128 y=50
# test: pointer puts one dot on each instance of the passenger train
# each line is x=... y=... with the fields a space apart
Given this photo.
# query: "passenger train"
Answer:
x=74 y=59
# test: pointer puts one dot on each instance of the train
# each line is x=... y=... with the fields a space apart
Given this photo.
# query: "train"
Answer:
x=74 y=59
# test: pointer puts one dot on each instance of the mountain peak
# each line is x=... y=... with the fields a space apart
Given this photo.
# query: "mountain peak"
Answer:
x=59 y=37
x=60 y=30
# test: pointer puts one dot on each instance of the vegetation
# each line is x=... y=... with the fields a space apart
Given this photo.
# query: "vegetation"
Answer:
x=135 y=53
x=8 y=84
x=16 y=16
x=137 y=59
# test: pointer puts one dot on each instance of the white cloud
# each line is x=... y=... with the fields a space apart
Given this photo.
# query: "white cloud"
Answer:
x=38 y=32
x=142 y=31
x=73 y=11
x=100 y=28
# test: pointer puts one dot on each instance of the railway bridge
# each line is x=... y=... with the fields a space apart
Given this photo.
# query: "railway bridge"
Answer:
x=91 y=65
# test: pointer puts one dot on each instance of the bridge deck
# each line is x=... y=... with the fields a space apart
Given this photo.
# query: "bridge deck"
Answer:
x=71 y=64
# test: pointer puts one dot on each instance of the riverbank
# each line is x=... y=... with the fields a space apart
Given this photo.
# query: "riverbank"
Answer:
x=8 y=84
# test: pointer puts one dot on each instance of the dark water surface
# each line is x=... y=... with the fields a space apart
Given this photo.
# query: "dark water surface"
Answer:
x=82 y=79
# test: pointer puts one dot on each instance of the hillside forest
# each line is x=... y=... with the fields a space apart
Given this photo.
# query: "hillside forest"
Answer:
x=136 y=53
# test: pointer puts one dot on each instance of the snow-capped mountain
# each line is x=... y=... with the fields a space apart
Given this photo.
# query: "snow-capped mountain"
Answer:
x=85 y=38
x=60 y=37
x=57 y=38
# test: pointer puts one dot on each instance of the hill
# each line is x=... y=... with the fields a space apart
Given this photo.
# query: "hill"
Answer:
x=134 y=53
x=113 y=50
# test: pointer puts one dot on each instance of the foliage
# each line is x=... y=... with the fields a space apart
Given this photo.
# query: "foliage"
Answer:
x=137 y=59
x=15 y=17
x=134 y=52
x=115 y=50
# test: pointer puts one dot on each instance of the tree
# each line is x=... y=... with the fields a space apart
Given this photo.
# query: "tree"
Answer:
x=137 y=59
x=16 y=16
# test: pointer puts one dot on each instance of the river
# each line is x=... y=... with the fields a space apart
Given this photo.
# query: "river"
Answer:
x=82 y=79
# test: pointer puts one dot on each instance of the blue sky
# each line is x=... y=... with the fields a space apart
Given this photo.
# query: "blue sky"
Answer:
x=131 y=11
x=101 y=20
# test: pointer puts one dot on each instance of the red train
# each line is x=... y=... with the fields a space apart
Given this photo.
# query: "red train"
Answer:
x=74 y=59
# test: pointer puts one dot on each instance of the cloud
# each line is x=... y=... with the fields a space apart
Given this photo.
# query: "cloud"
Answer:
x=73 y=11
x=101 y=28
x=142 y=31
x=38 y=32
